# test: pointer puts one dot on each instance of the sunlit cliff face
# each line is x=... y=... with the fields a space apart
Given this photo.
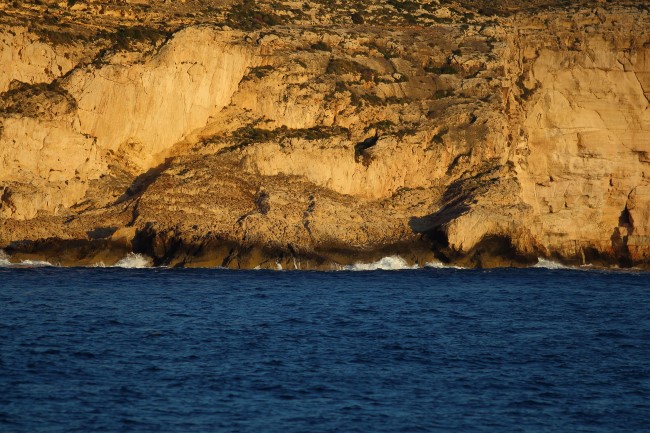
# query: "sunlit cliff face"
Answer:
x=479 y=139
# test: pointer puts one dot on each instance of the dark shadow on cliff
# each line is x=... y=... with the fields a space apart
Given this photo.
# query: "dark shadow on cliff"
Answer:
x=492 y=250
x=620 y=249
x=496 y=251
x=69 y=252
x=432 y=226
x=142 y=182
x=101 y=233
x=432 y=229
x=619 y=238
x=360 y=154
x=170 y=248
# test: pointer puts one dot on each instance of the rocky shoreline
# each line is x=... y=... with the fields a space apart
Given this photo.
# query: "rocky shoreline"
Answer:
x=215 y=253
x=254 y=134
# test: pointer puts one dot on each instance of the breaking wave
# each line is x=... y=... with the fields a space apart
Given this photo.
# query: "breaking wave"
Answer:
x=440 y=265
x=5 y=263
x=34 y=263
x=134 y=261
x=4 y=259
x=394 y=263
x=391 y=263
x=550 y=264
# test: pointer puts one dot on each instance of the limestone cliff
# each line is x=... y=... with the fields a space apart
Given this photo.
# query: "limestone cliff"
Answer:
x=236 y=134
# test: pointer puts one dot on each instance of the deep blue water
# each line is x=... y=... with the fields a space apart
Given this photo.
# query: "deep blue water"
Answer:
x=165 y=350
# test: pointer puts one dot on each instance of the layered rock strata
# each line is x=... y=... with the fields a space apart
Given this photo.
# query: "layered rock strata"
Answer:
x=478 y=140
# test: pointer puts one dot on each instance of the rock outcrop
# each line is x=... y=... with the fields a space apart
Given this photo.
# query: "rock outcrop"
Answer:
x=480 y=137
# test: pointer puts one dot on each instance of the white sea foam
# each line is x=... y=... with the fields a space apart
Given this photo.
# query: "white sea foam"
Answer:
x=391 y=263
x=4 y=259
x=136 y=261
x=549 y=264
x=35 y=263
x=4 y=262
x=440 y=265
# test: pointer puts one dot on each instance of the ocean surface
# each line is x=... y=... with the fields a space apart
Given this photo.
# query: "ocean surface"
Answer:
x=422 y=350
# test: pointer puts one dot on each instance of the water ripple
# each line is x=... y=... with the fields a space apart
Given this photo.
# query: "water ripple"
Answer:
x=139 y=350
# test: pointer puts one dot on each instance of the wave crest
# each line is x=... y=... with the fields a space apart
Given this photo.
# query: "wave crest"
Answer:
x=6 y=263
x=391 y=263
x=34 y=263
x=549 y=264
x=134 y=261
x=4 y=259
x=440 y=265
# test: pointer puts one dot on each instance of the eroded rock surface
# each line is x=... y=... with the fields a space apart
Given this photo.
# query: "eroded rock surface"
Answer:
x=247 y=136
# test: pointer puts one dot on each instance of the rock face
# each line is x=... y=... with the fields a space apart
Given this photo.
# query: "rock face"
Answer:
x=586 y=136
x=482 y=138
x=129 y=111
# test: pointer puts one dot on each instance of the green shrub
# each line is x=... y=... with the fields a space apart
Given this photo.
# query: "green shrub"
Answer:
x=372 y=98
x=357 y=18
x=259 y=72
x=404 y=5
x=388 y=54
x=344 y=66
x=442 y=70
x=440 y=94
x=125 y=37
x=321 y=46
x=247 y=16
x=58 y=37
x=383 y=125
x=249 y=134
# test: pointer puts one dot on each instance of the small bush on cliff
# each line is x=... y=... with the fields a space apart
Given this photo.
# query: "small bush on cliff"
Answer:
x=125 y=37
x=440 y=93
x=317 y=132
x=250 y=134
x=59 y=37
x=321 y=46
x=357 y=18
x=404 y=5
x=384 y=51
x=247 y=16
x=40 y=100
x=441 y=70
x=344 y=66
x=258 y=72
x=384 y=126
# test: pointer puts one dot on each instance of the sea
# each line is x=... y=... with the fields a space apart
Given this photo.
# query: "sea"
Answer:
x=369 y=348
